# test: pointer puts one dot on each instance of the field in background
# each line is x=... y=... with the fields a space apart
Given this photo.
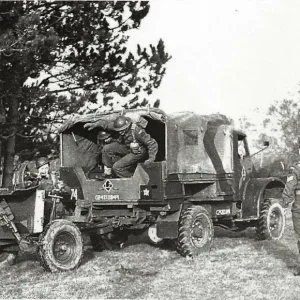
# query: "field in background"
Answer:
x=238 y=267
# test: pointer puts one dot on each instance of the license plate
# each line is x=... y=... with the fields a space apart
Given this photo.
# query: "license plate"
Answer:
x=223 y=212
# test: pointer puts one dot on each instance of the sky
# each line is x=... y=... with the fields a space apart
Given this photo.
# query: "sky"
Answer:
x=227 y=56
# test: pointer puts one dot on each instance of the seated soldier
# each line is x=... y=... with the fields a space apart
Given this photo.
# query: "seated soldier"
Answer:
x=45 y=181
x=138 y=145
x=42 y=178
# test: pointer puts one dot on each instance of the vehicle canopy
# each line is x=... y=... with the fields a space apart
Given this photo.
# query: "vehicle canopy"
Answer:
x=189 y=143
x=199 y=143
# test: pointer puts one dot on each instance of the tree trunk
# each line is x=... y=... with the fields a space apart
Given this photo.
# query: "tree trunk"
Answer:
x=10 y=144
x=1 y=167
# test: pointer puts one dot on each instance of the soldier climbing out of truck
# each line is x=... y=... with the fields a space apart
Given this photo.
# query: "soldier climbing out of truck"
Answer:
x=139 y=145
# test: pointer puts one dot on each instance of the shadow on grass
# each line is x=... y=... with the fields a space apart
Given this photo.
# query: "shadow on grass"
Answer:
x=22 y=257
x=227 y=233
x=279 y=251
x=88 y=255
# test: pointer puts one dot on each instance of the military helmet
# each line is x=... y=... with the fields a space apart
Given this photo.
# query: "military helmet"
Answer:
x=121 y=123
x=41 y=161
x=102 y=135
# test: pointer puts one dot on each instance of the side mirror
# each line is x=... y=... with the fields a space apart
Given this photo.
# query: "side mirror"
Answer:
x=266 y=144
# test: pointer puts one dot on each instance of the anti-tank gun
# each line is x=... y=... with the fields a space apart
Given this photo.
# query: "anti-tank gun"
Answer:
x=25 y=209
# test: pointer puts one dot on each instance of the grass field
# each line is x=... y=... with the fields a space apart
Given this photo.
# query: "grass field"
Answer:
x=238 y=267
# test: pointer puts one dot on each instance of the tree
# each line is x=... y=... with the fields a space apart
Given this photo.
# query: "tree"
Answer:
x=281 y=128
x=283 y=120
x=74 y=53
x=258 y=131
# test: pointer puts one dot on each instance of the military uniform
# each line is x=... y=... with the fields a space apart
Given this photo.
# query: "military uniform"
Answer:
x=138 y=146
x=292 y=193
x=46 y=184
x=112 y=152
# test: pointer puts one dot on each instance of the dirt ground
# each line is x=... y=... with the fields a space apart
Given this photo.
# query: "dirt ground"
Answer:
x=238 y=267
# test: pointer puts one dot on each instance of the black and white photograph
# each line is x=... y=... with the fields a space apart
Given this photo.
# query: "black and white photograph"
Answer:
x=150 y=149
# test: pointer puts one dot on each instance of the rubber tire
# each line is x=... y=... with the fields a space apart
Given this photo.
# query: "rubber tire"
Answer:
x=185 y=245
x=47 y=242
x=263 y=229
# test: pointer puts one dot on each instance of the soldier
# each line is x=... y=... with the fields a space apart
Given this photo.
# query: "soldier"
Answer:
x=104 y=137
x=138 y=145
x=292 y=193
x=116 y=150
x=43 y=176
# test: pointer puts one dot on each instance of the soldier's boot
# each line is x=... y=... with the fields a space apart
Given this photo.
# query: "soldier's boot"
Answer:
x=107 y=173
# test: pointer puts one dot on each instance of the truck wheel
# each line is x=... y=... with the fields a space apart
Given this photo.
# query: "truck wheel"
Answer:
x=271 y=222
x=195 y=232
x=61 y=246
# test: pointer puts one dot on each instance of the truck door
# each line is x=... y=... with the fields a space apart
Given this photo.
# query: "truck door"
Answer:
x=243 y=165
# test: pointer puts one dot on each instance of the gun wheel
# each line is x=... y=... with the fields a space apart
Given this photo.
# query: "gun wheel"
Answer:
x=61 y=246
x=271 y=222
x=196 y=231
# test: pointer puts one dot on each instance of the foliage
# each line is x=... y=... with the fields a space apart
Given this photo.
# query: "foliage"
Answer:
x=283 y=118
x=280 y=126
x=56 y=57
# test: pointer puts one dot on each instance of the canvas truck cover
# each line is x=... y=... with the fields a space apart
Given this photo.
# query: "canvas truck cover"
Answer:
x=194 y=143
x=79 y=133
x=199 y=144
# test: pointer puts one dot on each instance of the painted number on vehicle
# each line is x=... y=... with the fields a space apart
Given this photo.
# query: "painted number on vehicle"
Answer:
x=223 y=212
x=107 y=197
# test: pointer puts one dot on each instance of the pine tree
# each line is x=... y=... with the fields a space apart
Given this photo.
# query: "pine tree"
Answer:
x=74 y=53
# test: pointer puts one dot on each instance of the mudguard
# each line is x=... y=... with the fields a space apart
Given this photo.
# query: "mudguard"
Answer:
x=167 y=226
x=258 y=189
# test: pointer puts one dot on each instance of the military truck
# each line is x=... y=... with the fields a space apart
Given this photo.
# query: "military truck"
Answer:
x=203 y=176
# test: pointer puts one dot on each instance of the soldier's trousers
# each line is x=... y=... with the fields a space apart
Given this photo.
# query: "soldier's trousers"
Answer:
x=113 y=152
x=296 y=218
x=125 y=166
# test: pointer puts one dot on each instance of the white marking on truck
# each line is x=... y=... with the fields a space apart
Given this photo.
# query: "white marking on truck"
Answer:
x=107 y=197
x=222 y=212
x=146 y=192
x=38 y=220
x=74 y=194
